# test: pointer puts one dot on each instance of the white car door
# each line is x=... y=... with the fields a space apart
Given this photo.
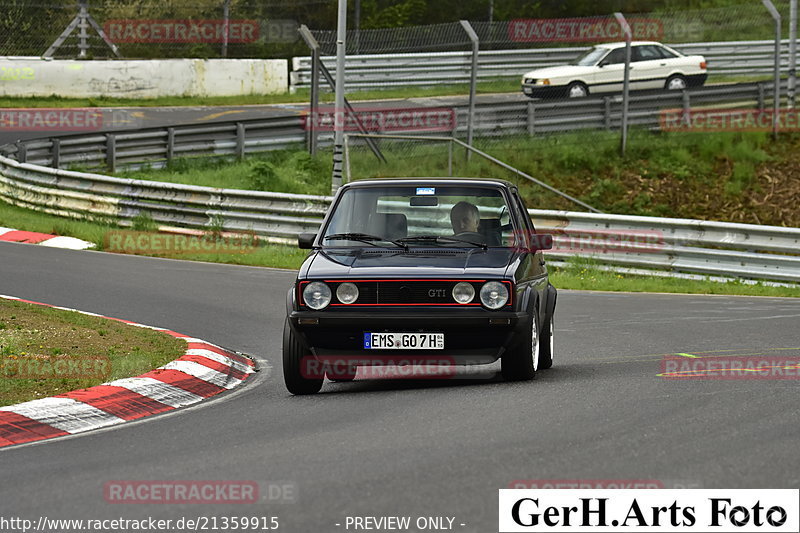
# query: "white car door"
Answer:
x=649 y=69
x=609 y=72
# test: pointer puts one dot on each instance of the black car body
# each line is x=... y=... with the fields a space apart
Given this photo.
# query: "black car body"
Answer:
x=388 y=281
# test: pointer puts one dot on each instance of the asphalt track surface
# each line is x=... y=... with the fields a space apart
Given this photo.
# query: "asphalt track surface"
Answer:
x=412 y=448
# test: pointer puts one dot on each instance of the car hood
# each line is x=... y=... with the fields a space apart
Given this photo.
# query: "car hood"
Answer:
x=559 y=72
x=421 y=262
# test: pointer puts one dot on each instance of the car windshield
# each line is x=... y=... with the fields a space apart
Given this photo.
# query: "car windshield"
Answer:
x=420 y=215
x=590 y=58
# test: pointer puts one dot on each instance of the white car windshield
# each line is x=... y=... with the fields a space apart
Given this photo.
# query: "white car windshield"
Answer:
x=420 y=215
x=590 y=58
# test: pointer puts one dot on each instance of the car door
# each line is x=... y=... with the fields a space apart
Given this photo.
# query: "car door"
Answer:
x=649 y=68
x=609 y=72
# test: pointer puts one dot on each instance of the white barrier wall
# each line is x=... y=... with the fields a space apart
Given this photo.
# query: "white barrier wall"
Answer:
x=142 y=78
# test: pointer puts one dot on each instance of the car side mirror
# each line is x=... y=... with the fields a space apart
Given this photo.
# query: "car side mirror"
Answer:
x=305 y=241
x=602 y=64
x=541 y=241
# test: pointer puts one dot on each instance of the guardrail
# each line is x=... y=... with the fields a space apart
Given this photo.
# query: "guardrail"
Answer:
x=158 y=146
x=681 y=245
x=730 y=58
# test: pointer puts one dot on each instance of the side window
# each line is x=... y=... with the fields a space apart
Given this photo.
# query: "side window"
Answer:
x=666 y=54
x=615 y=57
x=645 y=53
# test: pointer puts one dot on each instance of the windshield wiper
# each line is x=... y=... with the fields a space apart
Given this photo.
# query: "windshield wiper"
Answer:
x=363 y=237
x=440 y=240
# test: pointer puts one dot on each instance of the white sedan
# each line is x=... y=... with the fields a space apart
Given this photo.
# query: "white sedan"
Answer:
x=602 y=69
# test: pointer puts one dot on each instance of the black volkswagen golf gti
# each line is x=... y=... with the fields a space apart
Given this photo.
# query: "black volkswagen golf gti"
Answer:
x=419 y=271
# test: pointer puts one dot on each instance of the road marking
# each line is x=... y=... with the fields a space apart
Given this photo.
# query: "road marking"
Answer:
x=686 y=355
x=212 y=116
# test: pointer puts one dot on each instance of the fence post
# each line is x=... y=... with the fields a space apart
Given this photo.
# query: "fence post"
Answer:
x=450 y=158
x=170 y=145
x=313 y=112
x=531 y=118
x=473 y=79
x=792 y=52
x=240 y=137
x=626 y=29
x=776 y=92
x=111 y=152
x=226 y=19
x=687 y=108
x=56 y=152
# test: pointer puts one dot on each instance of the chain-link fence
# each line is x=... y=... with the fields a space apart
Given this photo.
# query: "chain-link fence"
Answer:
x=157 y=28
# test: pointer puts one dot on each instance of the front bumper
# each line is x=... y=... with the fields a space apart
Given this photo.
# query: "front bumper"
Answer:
x=544 y=91
x=471 y=336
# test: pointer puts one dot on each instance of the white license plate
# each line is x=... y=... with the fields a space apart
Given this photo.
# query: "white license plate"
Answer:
x=527 y=90
x=403 y=341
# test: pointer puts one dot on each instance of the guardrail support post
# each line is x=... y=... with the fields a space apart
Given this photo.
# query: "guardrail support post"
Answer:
x=607 y=112
x=111 y=152
x=531 y=118
x=22 y=152
x=760 y=96
x=240 y=136
x=170 y=145
x=56 y=153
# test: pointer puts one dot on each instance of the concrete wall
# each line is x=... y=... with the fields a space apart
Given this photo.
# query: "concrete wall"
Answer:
x=142 y=78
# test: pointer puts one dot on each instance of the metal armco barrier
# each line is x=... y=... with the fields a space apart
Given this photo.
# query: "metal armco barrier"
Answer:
x=158 y=146
x=729 y=58
x=675 y=245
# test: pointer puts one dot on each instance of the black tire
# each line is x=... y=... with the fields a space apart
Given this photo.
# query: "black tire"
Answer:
x=577 y=87
x=546 y=345
x=519 y=363
x=293 y=353
x=677 y=79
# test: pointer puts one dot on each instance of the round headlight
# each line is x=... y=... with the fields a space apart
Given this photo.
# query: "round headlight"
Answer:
x=494 y=294
x=463 y=292
x=317 y=295
x=347 y=293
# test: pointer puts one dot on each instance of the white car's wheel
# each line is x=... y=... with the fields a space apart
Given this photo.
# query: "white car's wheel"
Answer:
x=676 y=83
x=577 y=89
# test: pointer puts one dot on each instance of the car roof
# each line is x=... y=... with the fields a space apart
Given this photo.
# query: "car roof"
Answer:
x=612 y=46
x=373 y=182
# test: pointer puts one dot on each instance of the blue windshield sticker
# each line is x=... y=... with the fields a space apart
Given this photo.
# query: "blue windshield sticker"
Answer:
x=426 y=190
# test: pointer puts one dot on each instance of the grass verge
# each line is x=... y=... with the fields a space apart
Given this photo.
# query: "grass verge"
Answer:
x=46 y=351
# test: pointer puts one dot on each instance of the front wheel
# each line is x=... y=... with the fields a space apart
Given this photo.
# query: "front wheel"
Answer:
x=295 y=355
x=522 y=362
x=577 y=89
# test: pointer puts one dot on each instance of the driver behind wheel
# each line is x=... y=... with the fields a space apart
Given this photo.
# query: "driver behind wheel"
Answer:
x=465 y=220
